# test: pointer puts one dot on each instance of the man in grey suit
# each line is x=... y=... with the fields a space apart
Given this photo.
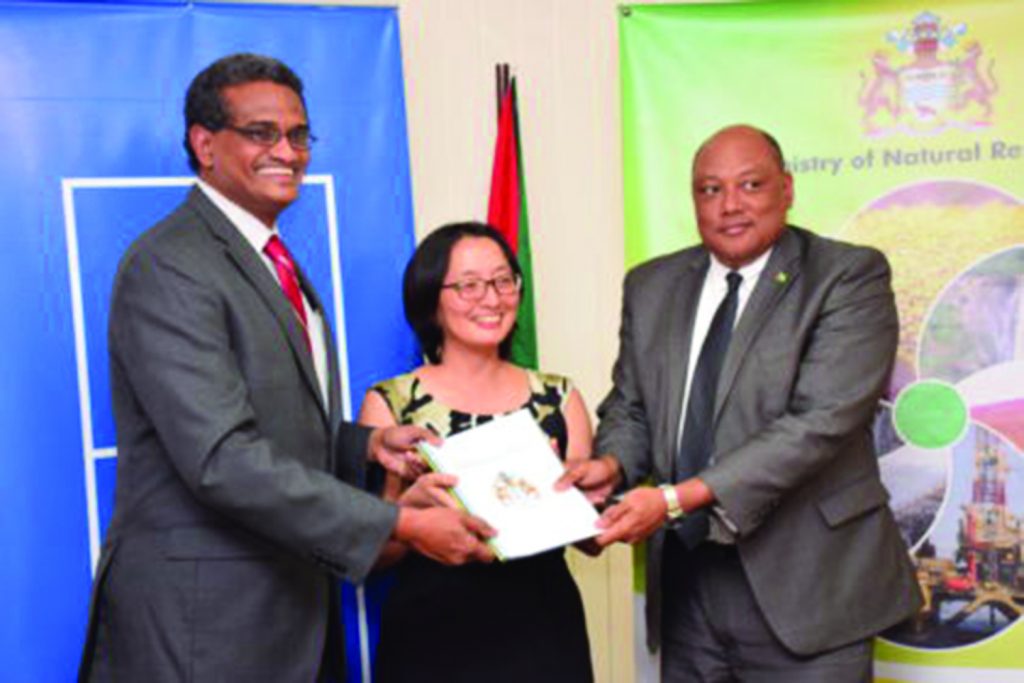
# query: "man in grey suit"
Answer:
x=231 y=522
x=748 y=375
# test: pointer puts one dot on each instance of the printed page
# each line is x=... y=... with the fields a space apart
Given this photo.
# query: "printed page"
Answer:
x=507 y=472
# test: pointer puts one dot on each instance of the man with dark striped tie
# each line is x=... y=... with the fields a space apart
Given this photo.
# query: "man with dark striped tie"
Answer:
x=748 y=375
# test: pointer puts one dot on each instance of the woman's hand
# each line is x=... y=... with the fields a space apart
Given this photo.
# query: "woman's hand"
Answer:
x=395 y=449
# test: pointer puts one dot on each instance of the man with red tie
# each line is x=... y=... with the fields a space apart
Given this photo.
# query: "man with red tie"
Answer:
x=232 y=521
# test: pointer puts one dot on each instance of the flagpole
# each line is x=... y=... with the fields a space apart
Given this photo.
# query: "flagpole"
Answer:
x=502 y=78
x=507 y=211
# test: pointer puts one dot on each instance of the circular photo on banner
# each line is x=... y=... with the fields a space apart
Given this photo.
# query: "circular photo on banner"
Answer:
x=917 y=478
x=931 y=232
x=969 y=562
x=950 y=432
x=975 y=331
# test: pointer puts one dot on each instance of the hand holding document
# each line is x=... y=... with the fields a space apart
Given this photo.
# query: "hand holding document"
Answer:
x=431 y=490
x=506 y=475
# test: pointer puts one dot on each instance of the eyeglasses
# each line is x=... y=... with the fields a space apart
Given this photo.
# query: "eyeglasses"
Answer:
x=266 y=135
x=475 y=289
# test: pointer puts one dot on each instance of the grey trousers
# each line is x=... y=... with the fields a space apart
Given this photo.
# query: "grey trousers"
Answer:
x=714 y=632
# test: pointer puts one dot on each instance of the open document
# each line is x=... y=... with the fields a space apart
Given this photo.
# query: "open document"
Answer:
x=507 y=472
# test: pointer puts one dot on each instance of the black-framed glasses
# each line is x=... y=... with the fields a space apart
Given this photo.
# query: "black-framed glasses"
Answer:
x=268 y=135
x=474 y=289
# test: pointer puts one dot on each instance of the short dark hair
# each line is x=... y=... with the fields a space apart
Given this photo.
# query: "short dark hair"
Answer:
x=424 y=276
x=204 y=104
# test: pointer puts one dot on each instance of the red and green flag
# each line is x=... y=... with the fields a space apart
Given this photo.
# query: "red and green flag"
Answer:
x=506 y=211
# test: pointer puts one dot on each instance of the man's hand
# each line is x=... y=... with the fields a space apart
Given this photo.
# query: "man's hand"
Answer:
x=431 y=490
x=641 y=513
x=395 y=449
x=448 y=536
x=597 y=477
x=643 y=510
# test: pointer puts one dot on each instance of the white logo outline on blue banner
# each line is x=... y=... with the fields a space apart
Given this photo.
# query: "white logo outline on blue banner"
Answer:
x=90 y=452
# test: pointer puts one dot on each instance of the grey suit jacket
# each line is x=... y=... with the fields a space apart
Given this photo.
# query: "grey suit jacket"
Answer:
x=230 y=519
x=794 y=463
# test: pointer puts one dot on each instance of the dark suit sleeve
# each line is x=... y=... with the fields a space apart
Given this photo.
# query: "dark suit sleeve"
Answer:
x=171 y=335
x=840 y=375
x=623 y=430
x=351 y=445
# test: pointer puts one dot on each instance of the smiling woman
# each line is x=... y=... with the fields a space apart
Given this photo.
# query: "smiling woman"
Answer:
x=520 y=620
x=474 y=310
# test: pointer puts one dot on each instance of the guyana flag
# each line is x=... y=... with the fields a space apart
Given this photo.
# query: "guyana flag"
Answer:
x=506 y=211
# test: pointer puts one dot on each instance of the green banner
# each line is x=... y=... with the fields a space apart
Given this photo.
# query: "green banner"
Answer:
x=903 y=129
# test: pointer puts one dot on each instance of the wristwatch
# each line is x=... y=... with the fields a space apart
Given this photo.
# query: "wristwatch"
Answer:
x=674 y=511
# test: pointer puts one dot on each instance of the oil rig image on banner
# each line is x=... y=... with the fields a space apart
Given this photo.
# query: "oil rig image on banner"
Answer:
x=980 y=591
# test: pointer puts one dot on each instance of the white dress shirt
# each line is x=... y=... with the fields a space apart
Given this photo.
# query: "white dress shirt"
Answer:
x=712 y=292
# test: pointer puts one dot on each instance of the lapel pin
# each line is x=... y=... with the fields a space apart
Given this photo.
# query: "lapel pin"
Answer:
x=781 y=277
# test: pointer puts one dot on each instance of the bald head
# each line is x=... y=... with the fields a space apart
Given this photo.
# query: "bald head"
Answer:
x=741 y=194
x=744 y=129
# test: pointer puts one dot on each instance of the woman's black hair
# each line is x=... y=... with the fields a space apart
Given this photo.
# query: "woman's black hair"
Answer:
x=424 y=276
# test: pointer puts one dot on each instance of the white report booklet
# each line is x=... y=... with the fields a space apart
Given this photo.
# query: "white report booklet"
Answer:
x=507 y=472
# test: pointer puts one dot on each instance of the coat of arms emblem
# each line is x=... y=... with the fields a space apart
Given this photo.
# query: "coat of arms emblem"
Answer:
x=941 y=84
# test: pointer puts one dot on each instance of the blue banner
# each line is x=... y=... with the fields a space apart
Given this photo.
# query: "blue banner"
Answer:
x=93 y=130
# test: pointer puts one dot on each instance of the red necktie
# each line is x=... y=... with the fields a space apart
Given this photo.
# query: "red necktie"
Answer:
x=289 y=279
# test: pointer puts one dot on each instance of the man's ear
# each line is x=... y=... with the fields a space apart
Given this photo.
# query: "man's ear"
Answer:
x=201 y=141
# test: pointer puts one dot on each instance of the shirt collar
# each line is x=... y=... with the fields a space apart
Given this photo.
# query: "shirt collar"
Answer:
x=253 y=230
x=750 y=272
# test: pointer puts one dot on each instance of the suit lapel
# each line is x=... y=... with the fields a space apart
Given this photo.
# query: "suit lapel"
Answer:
x=779 y=273
x=683 y=297
x=256 y=272
x=333 y=375
x=333 y=382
